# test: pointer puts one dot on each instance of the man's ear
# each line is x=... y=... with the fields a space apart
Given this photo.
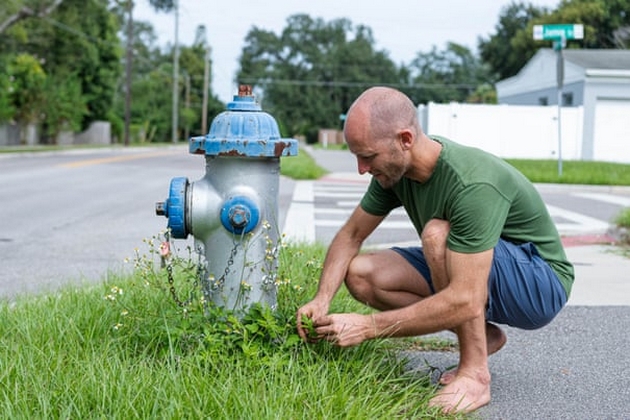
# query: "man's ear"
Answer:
x=406 y=139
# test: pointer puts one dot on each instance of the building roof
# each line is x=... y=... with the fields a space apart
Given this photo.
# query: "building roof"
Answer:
x=599 y=59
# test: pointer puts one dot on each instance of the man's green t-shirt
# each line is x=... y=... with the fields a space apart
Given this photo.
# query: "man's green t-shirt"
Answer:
x=483 y=198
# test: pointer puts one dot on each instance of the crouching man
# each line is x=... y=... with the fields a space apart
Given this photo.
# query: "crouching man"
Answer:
x=490 y=252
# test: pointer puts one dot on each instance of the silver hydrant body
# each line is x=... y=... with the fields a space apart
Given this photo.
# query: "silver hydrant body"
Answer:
x=232 y=212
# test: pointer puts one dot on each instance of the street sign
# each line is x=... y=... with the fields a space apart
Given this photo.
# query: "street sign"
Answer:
x=559 y=34
x=561 y=31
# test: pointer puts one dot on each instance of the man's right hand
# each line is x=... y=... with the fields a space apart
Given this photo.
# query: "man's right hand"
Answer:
x=311 y=311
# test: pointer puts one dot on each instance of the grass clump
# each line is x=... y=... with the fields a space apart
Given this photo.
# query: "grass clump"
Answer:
x=623 y=230
x=623 y=218
x=301 y=167
x=574 y=172
x=126 y=349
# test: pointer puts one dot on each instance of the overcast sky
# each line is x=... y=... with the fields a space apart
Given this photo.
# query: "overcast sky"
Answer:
x=402 y=27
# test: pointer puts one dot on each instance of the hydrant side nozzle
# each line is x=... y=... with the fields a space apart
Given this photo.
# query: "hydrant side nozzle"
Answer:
x=174 y=208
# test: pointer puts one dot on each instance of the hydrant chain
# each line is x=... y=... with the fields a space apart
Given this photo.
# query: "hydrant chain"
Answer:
x=218 y=285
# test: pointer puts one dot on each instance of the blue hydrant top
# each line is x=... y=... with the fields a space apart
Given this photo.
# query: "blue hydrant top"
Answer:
x=244 y=130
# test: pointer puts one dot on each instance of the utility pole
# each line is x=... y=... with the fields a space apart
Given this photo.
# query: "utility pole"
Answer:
x=187 y=104
x=206 y=81
x=128 y=67
x=176 y=75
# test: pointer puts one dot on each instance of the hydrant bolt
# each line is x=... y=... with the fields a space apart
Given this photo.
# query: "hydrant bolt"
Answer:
x=239 y=216
x=160 y=209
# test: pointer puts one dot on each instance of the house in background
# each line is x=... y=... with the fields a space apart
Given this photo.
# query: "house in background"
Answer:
x=597 y=80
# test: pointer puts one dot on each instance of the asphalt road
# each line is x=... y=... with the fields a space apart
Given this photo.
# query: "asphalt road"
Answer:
x=75 y=216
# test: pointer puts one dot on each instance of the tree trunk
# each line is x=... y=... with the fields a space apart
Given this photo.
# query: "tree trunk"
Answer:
x=26 y=12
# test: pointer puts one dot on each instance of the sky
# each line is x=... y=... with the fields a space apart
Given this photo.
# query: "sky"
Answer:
x=401 y=27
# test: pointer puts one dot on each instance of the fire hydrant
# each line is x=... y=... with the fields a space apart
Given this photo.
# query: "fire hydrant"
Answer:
x=232 y=212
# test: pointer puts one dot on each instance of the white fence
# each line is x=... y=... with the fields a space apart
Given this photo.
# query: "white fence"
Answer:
x=508 y=131
x=99 y=132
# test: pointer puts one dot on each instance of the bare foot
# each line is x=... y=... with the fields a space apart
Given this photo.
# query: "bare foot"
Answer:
x=495 y=340
x=462 y=395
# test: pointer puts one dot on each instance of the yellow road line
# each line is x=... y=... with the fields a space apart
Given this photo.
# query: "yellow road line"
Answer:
x=113 y=159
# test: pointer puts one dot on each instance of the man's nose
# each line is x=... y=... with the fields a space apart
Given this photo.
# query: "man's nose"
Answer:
x=362 y=166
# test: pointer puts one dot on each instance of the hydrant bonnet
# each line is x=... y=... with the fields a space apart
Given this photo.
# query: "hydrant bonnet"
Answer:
x=244 y=130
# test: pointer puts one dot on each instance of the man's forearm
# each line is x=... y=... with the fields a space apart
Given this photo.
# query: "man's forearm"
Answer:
x=341 y=251
x=436 y=313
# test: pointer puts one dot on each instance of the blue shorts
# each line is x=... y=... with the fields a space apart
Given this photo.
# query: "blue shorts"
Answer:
x=523 y=290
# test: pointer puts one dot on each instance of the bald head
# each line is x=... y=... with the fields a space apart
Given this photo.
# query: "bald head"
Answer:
x=379 y=113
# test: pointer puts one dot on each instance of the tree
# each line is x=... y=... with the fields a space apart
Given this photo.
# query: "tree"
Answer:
x=78 y=38
x=452 y=74
x=310 y=74
x=606 y=25
x=15 y=12
x=26 y=95
x=498 y=51
x=64 y=105
x=164 y=5
x=153 y=70
x=602 y=20
x=6 y=107
x=192 y=63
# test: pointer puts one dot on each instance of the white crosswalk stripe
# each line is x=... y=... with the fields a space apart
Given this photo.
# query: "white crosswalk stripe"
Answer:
x=606 y=198
x=577 y=223
x=321 y=205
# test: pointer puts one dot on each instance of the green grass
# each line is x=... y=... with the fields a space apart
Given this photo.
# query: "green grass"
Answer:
x=537 y=171
x=302 y=166
x=623 y=222
x=623 y=219
x=124 y=349
x=574 y=172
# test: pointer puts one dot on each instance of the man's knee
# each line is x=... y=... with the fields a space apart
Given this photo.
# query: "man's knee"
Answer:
x=358 y=278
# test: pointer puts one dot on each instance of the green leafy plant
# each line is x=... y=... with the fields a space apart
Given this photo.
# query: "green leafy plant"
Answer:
x=309 y=326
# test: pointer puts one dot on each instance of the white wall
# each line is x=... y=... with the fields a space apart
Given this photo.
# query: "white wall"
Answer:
x=508 y=131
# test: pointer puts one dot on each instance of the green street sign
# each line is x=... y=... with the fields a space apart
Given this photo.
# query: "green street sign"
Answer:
x=560 y=31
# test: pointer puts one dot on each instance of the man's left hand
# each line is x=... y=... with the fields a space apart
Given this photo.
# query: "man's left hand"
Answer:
x=345 y=330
